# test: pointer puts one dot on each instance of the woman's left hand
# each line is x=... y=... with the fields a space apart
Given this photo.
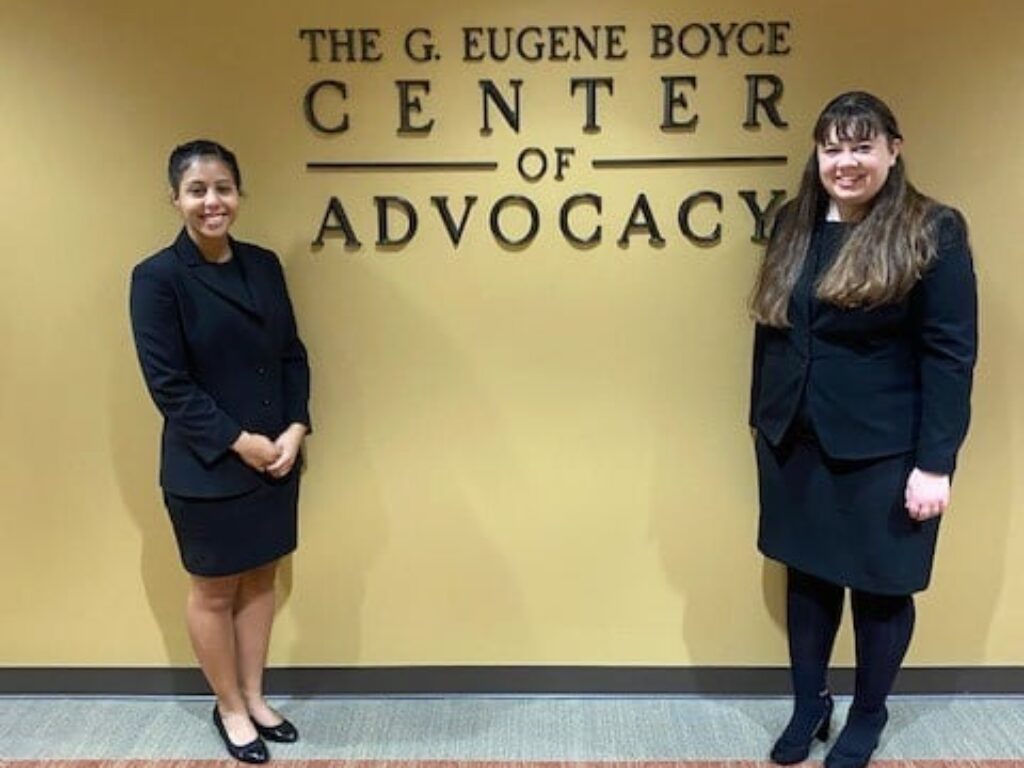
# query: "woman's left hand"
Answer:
x=927 y=494
x=288 y=443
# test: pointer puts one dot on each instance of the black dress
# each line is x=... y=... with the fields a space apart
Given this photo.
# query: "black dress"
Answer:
x=841 y=520
x=225 y=533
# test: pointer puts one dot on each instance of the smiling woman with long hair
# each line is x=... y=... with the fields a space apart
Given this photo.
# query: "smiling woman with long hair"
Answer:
x=864 y=353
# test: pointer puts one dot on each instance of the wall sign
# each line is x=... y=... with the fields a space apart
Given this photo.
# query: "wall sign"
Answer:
x=515 y=220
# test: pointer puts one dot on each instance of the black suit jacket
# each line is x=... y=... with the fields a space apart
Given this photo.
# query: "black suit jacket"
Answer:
x=216 y=361
x=882 y=381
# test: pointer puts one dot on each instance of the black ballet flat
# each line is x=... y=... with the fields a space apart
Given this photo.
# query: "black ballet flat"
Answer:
x=253 y=752
x=858 y=740
x=806 y=725
x=284 y=732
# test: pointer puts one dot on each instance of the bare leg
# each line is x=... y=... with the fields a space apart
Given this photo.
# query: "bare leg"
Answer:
x=209 y=617
x=254 y=616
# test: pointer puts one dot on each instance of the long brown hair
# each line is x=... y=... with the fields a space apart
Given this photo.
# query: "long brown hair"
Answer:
x=885 y=253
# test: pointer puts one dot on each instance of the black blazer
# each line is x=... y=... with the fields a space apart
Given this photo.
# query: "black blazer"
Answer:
x=216 y=362
x=882 y=381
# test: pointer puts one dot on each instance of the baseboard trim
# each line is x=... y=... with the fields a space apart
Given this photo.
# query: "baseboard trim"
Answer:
x=525 y=680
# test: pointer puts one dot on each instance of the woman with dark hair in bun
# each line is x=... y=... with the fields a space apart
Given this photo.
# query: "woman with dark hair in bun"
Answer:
x=220 y=354
x=864 y=353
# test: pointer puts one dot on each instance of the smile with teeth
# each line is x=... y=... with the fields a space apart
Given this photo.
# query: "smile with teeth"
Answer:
x=848 y=181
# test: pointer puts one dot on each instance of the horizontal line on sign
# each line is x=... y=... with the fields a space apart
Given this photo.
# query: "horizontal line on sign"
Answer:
x=401 y=165
x=673 y=162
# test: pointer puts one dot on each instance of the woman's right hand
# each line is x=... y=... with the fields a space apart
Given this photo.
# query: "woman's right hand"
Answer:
x=257 y=451
x=927 y=494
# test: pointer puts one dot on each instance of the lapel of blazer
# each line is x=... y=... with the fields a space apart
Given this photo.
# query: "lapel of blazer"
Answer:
x=199 y=269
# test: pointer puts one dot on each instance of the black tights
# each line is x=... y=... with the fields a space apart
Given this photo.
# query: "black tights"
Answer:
x=883 y=625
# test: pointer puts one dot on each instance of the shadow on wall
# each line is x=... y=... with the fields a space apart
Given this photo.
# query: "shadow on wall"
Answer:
x=350 y=504
x=970 y=561
x=330 y=574
x=705 y=524
x=398 y=556
x=136 y=466
x=374 y=542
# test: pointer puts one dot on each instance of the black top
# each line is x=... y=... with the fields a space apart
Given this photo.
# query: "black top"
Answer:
x=881 y=381
x=226 y=277
x=220 y=353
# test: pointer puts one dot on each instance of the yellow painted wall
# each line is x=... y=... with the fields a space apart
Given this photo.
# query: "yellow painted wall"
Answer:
x=532 y=456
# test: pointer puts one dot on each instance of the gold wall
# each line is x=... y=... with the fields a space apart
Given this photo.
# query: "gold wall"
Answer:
x=532 y=455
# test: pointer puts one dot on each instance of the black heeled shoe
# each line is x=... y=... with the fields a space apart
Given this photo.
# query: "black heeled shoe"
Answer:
x=807 y=724
x=858 y=740
x=284 y=732
x=253 y=752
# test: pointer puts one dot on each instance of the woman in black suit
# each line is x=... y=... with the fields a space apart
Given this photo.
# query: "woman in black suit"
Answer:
x=217 y=342
x=863 y=359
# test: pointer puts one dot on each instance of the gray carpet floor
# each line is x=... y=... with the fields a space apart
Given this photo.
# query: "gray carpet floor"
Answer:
x=498 y=728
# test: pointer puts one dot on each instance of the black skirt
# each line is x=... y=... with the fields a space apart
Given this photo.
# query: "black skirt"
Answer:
x=842 y=521
x=221 y=537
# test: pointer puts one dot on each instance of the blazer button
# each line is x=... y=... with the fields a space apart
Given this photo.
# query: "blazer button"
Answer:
x=261 y=370
x=266 y=402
